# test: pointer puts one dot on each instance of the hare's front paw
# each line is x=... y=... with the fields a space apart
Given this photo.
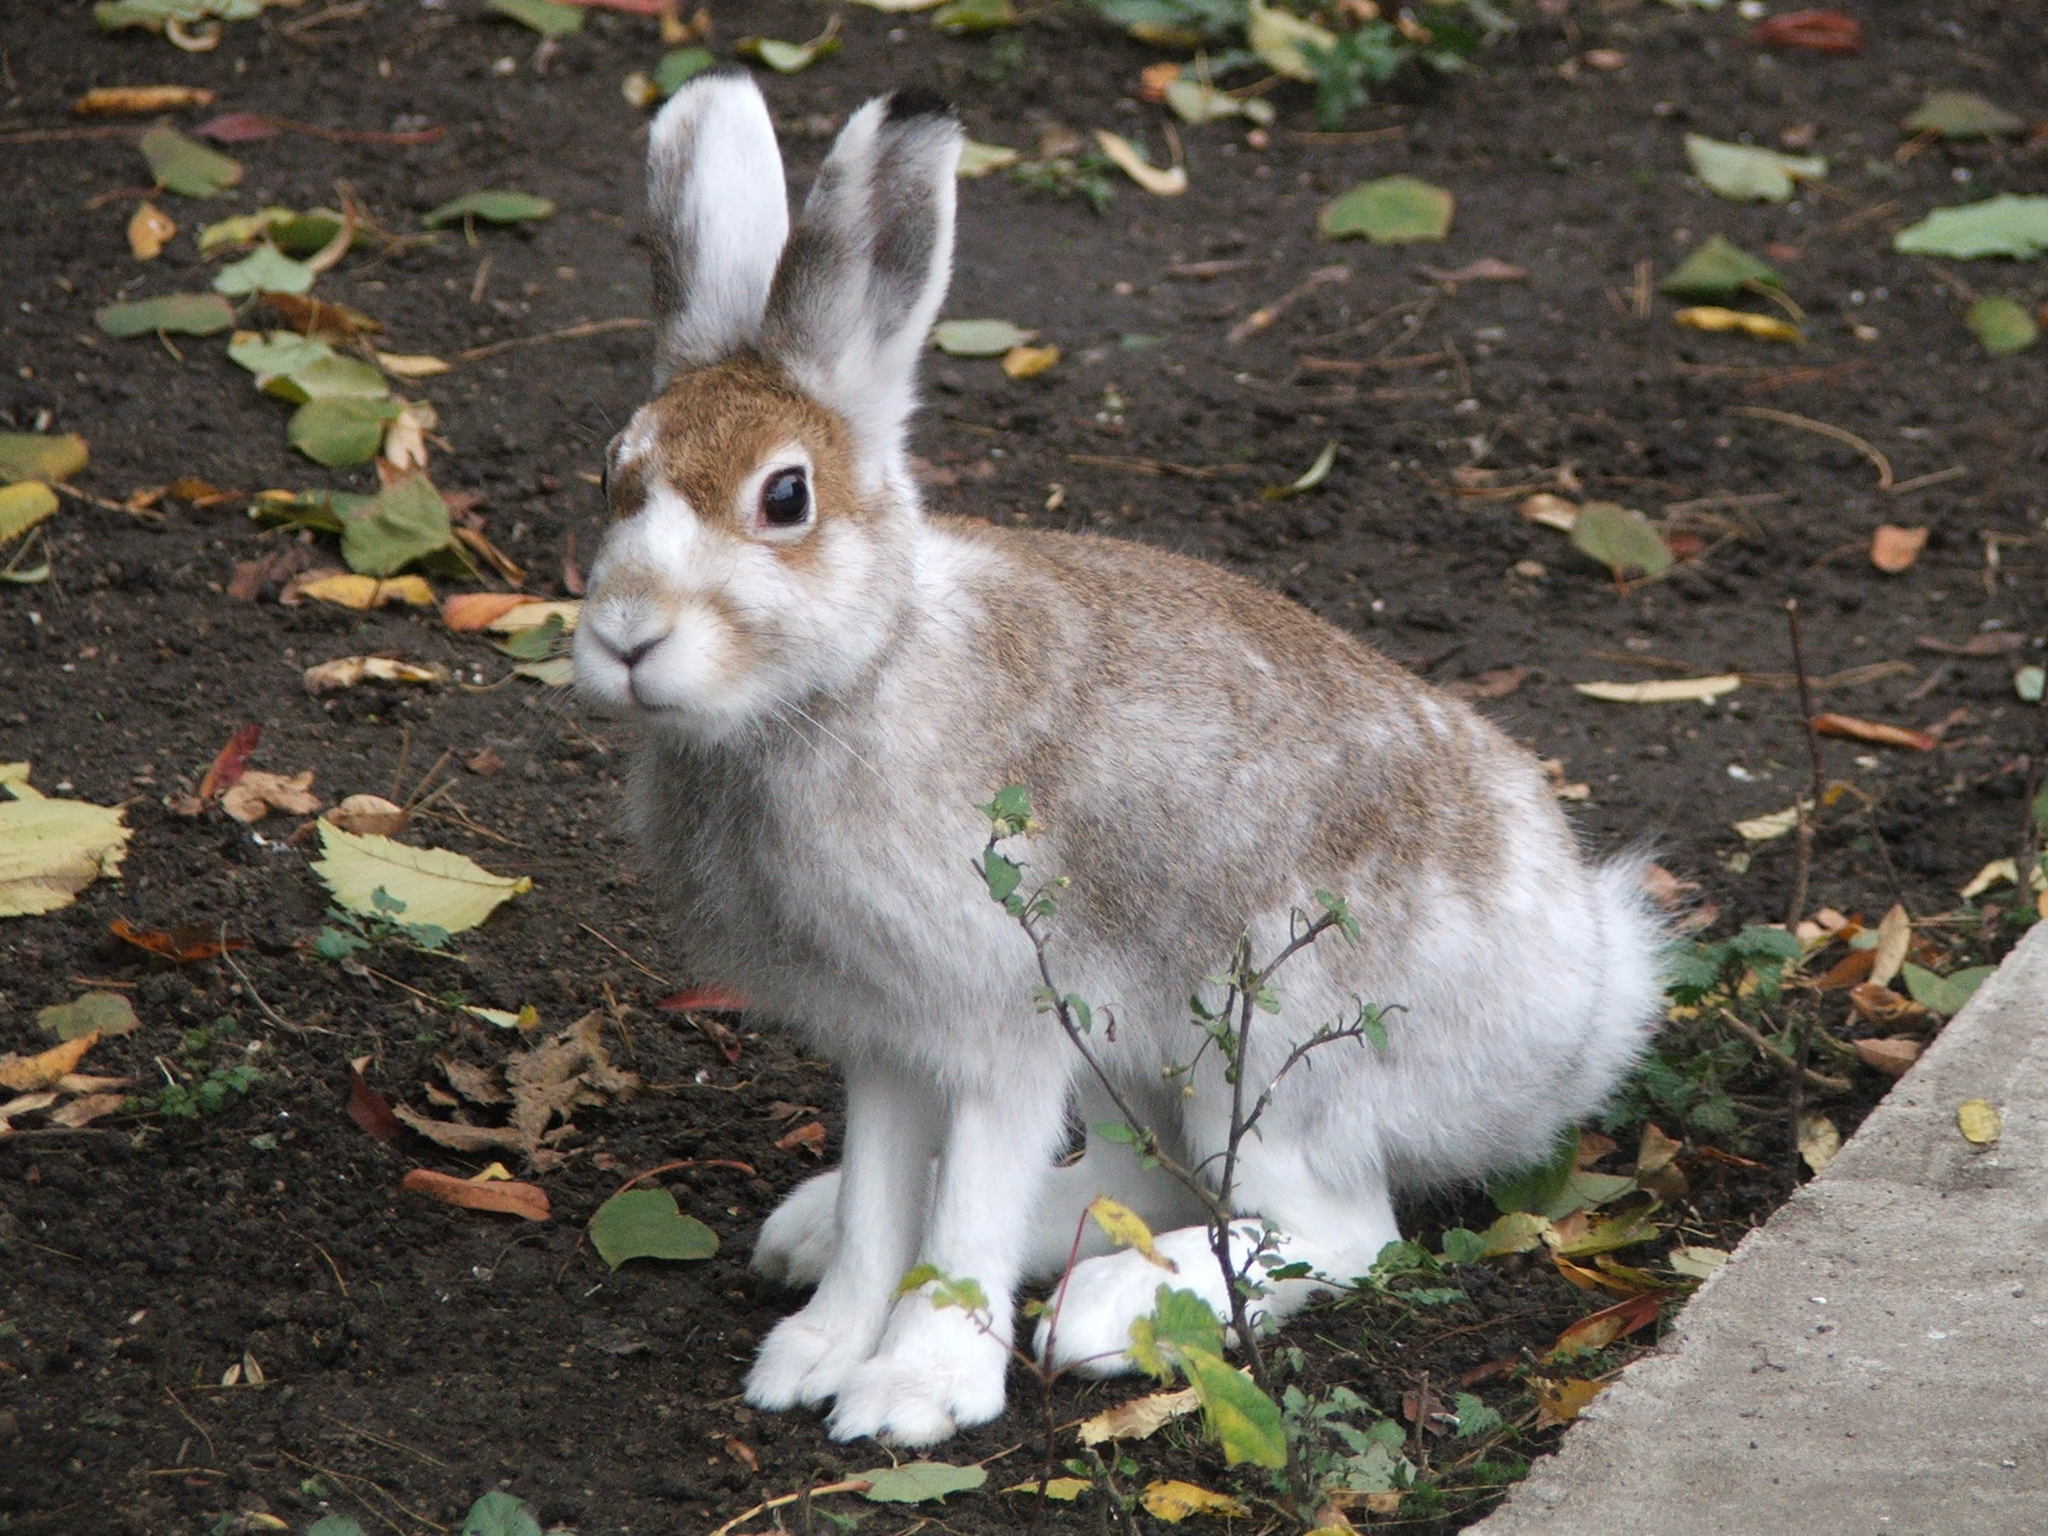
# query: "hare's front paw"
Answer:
x=805 y=1360
x=946 y=1376
x=800 y=1236
x=1105 y=1296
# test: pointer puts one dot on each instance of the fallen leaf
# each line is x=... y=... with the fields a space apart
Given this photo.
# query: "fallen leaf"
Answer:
x=1696 y=1262
x=415 y=365
x=149 y=230
x=1393 y=210
x=1958 y=115
x=370 y=815
x=1174 y=1501
x=917 y=1482
x=185 y=944
x=1882 y=1006
x=647 y=1224
x=1497 y=683
x=186 y=314
x=347 y=590
x=1711 y=317
x=526 y=1019
x=1622 y=539
x=468 y=611
x=341 y=432
x=370 y=1110
x=1717 y=271
x=2006 y=225
x=22 y=506
x=531 y=614
x=1991 y=643
x=549 y=18
x=1550 y=510
x=1873 y=732
x=2004 y=325
x=1748 y=173
x=228 y=763
x=458 y=1137
x=1819 y=1140
x=1979 y=1121
x=974 y=18
x=1198 y=101
x=256 y=794
x=42 y=456
x=1812 y=31
x=50 y=850
x=139 y=100
x=264 y=270
x=347 y=671
x=90 y=1013
x=1140 y=1417
x=809 y=1139
x=1160 y=181
x=186 y=166
x=46 y=1068
x=787 y=58
x=977 y=159
x=511 y=1199
x=1943 y=996
x=1670 y=690
x=710 y=999
x=1282 y=39
x=477 y=1084
x=1892 y=1055
x=1063 y=1490
x=1597 y=1330
x=439 y=888
x=1894 y=938
x=979 y=338
x=1999 y=871
x=87 y=1108
x=1029 y=362
x=1487 y=269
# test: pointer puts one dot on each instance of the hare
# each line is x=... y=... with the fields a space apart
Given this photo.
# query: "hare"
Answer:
x=830 y=681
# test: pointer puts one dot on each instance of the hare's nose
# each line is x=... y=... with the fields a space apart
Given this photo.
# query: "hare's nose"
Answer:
x=633 y=656
x=633 y=639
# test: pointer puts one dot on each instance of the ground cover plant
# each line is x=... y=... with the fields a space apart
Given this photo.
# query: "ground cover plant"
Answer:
x=363 y=1154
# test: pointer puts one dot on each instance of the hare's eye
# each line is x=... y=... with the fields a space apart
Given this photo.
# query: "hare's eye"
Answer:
x=785 y=499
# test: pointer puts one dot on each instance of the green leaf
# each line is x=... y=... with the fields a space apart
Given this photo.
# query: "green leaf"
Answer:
x=22 y=506
x=1747 y=173
x=1718 y=271
x=264 y=270
x=1621 y=539
x=334 y=1525
x=187 y=314
x=1394 y=210
x=2006 y=225
x=2030 y=683
x=1463 y=1246
x=1243 y=1420
x=919 y=1482
x=275 y=352
x=978 y=338
x=499 y=1513
x=1943 y=995
x=1179 y=1322
x=787 y=58
x=40 y=456
x=680 y=67
x=305 y=234
x=404 y=522
x=2004 y=325
x=1002 y=875
x=1538 y=1187
x=537 y=643
x=439 y=888
x=974 y=18
x=646 y=1224
x=1308 y=479
x=1010 y=810
x=547 y=17
x=978 y=159
x=1962 y=115
x=327 y=378
x=186 y=166
x=1473 y=1416
x=340 y=432
x=108 y=1012
x=491 y=207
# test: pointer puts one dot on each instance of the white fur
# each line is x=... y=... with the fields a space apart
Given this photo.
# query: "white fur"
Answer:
x=816 y=745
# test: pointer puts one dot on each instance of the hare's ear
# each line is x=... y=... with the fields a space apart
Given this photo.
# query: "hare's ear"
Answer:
x=866 y=269
x=720 y=214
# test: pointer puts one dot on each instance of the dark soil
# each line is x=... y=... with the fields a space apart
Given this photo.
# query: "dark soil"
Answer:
x=414 y=1355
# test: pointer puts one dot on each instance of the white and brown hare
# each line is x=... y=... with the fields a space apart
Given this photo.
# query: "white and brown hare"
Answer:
x=831 y=680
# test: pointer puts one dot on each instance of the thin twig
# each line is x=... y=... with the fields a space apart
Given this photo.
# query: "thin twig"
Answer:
x=851 y=1485
x=256 y=997
x=1802 y=871
x=567 y=333
x=1805 y=1075
x=1825 y=429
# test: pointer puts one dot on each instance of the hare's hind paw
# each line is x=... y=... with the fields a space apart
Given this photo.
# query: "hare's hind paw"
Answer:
x=804 y=1362
x=922 y=1396
x=801 y=1235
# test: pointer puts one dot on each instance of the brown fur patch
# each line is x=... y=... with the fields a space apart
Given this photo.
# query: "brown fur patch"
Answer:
x=716 y=426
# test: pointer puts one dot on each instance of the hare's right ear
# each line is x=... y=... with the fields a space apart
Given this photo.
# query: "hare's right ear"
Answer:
x=721 y=215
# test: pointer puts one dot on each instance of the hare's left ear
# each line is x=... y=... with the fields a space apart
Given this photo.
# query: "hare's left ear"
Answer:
x=865 y=271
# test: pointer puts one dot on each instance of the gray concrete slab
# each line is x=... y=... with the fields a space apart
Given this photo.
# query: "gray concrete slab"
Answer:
x=1873 y=1361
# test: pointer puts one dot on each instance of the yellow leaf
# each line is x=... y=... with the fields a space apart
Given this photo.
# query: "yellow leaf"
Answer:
x=363 y=592
x=149 y=231
x=1761 y=829
x=347 y=671
x=44 y=1070
x=257 y=793
x=1029 y=362
x=1517 y=1232
x=1819 y=1140
x=405 y=365
x=1160 y=181
x=138 y=100
x=50 y=850
x=1996 y=872
x=1173 y=1502
x=1276 y=35
x=1979 y=1121
x=1139 y=1417
x=1551 y=510
x=1559 y=1402
x=1666 y=690
x=531 y=614
x=24 y=505
x=438 y=887
x=1063 y=1489
x=1695 y=1261
x=492 y=1174
x=1711 y=317
x=1894 y=937
x=1126 y=1228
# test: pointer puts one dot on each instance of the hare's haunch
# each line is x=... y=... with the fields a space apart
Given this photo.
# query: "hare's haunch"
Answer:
x=830 y=681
